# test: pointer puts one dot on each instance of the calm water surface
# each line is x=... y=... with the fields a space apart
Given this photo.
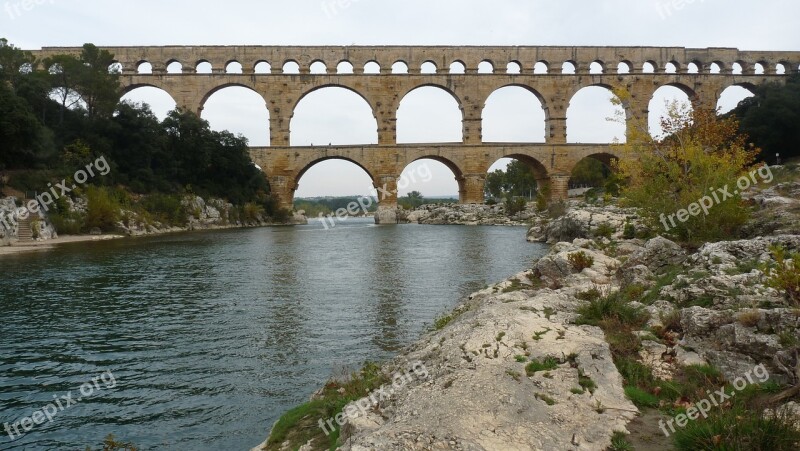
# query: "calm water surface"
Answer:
x=211 y=336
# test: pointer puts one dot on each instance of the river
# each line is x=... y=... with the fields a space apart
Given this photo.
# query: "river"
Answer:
x=204 y=339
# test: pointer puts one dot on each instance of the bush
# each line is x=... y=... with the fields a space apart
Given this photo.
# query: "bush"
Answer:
x=167 y=209
x=613 y=306
x=700 y=151
x=103 y=209
x=629 y=232
x=604 y=230
x=580 y=260
x=541 y=202
x=515 y=205
x=785 y=274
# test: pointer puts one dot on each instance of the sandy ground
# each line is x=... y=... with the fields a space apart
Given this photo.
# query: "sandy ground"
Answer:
x=49 y=244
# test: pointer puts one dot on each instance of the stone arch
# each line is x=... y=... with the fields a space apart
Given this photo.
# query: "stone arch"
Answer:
x=234 y=67
x=400 y=67
x=239 y=109
x=295 y=180
x=405 y=95
x=301 y=128
x=345 y=67
x=588 y=90
x=371 y=67
x=606 y=159
x=334 y=85
x=625 y=67
x=318 y=67
x=538 y=170
x=597 y=67
x=290 y=66
x=541 y=67
x=201 y=62
x=428 y=67
x=174 y=67
x=159 y=106
x=542 y=103
x=458 y=67
x=735 y=92
x=458 y=172
x=215 y=89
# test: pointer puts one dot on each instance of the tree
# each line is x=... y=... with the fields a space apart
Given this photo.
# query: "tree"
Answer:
x=516 y=180
x=770 y=118
x=701 y=154
x=412 y=200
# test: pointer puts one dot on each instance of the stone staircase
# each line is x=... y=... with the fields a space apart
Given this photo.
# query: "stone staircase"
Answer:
x=24 y=230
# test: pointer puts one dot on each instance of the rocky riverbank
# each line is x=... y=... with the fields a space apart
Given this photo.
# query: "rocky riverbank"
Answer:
x=595 y=343
x=201 y=214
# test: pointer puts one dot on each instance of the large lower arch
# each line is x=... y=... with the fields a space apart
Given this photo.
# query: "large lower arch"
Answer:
x=516 y=175
x=333 y=115
x=593 y=170
x=332 y=176
x=239 y=110
x=514 y=113
x=595 y=115
x=159 y=101
x=430 y=114
x=433 y=176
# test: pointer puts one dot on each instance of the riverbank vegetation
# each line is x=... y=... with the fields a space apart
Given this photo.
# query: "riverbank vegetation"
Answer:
x=61 y=113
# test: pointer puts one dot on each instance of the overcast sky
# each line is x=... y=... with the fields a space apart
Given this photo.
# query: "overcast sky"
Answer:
x=338 y=116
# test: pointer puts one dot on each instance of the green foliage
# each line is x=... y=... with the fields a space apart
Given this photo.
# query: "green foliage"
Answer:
x=103 y=209
x=589 y=172
x=770 y=118
x=514 y=205
x=546 y=364
x=300 y=424
x=516 y=181
x=629 y=232
x=619 y=442
x=166 y=209
x=701 y=153
x=640 y=397
x=580 y=260
x=785 y=274
x=613 y=306
x=547 y=399
x=411 y=200
x=604 y=230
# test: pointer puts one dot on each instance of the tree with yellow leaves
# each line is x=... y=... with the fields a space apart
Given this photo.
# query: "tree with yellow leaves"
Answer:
x=685 y=182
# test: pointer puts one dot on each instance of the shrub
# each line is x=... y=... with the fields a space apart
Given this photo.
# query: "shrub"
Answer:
x=165 y=209
x=556 y=210
x=700 y=150
x=541 y=202
x=580 y=261
x=604 y=230
x=103 y=208
x=629 y=232
x=785 y=274
x=514 y=205
x=613 y=306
